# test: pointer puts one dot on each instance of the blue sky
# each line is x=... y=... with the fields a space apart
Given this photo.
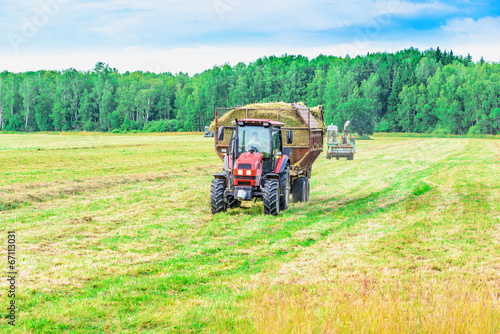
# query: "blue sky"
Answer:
x=194 y=35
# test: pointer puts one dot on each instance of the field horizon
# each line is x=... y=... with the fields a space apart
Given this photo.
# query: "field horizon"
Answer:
x=115 y=235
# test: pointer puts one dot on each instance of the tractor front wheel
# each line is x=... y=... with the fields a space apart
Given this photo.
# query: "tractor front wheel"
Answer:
x=217 y=202
x=271 y=197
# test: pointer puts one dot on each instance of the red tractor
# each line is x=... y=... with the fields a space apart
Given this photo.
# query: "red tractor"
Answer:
x=254 y=167
x=259 y=163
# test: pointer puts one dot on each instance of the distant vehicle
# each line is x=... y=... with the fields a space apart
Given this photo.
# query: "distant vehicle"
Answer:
x=347 y=146
x=208 y=133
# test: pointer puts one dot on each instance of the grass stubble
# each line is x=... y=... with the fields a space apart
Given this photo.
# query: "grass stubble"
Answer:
x=115 y=235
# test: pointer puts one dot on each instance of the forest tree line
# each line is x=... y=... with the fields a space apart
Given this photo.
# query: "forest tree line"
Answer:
x=408 y=91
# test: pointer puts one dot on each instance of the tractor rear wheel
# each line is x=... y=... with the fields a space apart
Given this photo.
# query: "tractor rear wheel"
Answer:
x=285 y=189
x=271 y=197
x=300 y=190
x=217 y=202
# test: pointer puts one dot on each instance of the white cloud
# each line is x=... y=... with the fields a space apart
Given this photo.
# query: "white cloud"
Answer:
x=477 y=37
x=484 y=27
x=170 y=23
x=178 y=35
x=412 y=8
x=197 y=59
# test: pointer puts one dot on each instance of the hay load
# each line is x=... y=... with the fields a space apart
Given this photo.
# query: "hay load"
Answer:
x=307 y=125
x=288 y=114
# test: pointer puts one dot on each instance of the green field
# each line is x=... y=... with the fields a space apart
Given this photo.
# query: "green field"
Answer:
x=115 y=235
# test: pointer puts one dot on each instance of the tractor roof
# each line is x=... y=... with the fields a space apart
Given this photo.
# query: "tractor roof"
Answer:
x=260 y=122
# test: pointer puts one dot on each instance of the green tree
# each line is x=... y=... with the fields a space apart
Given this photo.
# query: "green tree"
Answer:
x=29 y=94
x=360 y=113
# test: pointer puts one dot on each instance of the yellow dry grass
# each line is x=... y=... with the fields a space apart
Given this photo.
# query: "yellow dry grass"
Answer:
x=369 y=305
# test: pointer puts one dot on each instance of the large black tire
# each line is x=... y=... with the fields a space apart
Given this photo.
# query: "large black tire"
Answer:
x=300 y=190
x=271 y=197
x=350 y=157
x=285 y=189
x=217 y=202
x=233 y=202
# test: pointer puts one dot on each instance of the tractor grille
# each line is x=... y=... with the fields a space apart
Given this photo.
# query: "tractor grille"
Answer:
x=241 y=183
x=239 y=177
x=244 y=166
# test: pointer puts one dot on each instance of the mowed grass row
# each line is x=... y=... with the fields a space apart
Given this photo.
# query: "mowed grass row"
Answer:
x=59 y=165
x=115 y=234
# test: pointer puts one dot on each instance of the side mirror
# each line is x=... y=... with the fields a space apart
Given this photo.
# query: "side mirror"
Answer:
x=221 y=134
x=289 y=137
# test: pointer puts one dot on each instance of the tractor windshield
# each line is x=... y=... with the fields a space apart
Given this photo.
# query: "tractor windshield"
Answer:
x=256 y=139
x=332 y=135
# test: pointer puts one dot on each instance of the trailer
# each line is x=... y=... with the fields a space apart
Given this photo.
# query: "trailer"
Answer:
x=266 y=158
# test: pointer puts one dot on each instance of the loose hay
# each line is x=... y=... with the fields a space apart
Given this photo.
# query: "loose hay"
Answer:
x=287 y=115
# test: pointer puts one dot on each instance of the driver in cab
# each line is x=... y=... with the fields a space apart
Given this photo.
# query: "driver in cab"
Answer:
x=255 y=143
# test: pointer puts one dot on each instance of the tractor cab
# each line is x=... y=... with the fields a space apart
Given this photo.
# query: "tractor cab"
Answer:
x=332 y=135
x=257 y=140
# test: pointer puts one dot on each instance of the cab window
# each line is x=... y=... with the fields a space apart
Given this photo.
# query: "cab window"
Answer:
x=254 y=138
x=276 y=142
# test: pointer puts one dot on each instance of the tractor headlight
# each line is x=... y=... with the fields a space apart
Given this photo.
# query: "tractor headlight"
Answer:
x=249 y=173
x=240 y=172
